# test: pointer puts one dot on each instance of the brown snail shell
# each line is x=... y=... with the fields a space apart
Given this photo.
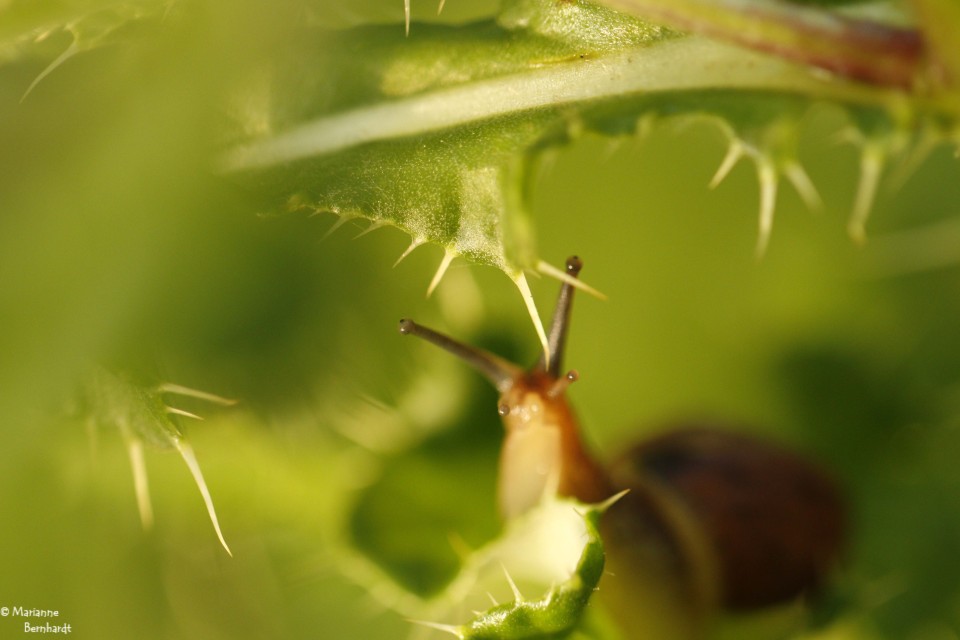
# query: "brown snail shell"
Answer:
x=773 y=519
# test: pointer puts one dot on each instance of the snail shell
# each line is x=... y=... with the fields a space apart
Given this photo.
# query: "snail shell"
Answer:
x=773 y=519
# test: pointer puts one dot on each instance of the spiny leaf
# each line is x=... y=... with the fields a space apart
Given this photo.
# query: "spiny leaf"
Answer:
x=142 y=416
x=436 y=133
x=558 y=612
x=25 y=26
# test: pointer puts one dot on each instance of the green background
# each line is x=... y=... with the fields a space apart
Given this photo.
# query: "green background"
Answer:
x=355 y=454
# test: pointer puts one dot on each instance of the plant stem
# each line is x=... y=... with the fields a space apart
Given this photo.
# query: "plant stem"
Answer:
x=857 y=49
x=685 y=64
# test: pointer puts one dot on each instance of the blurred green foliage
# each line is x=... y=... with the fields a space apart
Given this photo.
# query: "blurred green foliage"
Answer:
x=354 y=456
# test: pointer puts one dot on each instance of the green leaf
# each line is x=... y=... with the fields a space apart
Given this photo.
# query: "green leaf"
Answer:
x=538 y=548
x=142 y=416
x=438 y=133
x=28 y=27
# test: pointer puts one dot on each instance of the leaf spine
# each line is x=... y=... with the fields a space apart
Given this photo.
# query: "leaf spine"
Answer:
x=140 y=485
x=521 y=281
x=446 y=628
x=414 y=243
x=373 y=226
x=734 y=152
x=181 y=390
x=872 y=159
x=342 y=220
x=181 y=412
x=517 y=596
x=186 y=452
x=68 y=53
x=767 y=177
x=801 y=181
x=548 y=269
x=448 y=256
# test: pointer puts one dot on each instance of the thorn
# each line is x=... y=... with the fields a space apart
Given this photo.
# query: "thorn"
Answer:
x=915 y=157
x=336 y=225
x=406 y=17
x=180 y=390
x=871 y=166
x=492 y=599
x=440 y=6
x=549 y=270
x=521 y=281
x=416 y=242
x=767 y=177
x=373 y=226
x=801 y=181
x=734 y=153
x=612 y=500
x=448 y=628
x=517 y=596
x=63 y=57
x=181 y=412
x=448 y=257
x=186 y=452
x=135 y=451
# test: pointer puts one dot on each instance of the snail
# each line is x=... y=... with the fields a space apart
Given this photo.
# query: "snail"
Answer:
x=712 y=520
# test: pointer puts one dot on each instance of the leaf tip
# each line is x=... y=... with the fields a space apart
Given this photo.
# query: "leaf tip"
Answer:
x=177 y=389
x=549 y=270
x=186 y=452
x=767 y=177
x=448 y=257
x=140 y=485
x=373 y=226
x=414 y=243
x=180 y=412
x=446 y=628
x=342 y=220
x=801 y=181
x=517 y=596
x=521 y=281
x=612 y=500
x=871 y=167
x=734 y=153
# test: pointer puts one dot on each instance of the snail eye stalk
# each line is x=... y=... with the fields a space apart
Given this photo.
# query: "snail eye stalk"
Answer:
x=497 y=370
x=560 y=326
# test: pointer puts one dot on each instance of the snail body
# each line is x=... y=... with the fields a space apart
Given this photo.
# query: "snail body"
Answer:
x=712 y=518
x=542 y=449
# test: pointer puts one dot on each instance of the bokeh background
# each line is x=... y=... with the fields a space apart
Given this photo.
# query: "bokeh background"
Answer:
x=354 y=455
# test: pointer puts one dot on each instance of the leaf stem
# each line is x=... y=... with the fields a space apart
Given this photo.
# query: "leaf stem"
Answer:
x=684 y=64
